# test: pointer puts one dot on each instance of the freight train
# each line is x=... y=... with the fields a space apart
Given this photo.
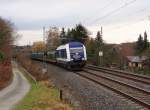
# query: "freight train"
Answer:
x=71 y=55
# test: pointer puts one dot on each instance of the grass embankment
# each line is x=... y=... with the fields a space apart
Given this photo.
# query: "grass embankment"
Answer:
x=42 y=96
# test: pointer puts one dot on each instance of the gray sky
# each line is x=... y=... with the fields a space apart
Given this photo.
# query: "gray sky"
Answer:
x=122 y=20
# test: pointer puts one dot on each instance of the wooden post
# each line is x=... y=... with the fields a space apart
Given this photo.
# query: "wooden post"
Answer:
x=61 y=95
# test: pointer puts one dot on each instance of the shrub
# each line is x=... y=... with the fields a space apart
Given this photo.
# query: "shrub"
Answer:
x=6 y=40
x=1 y=56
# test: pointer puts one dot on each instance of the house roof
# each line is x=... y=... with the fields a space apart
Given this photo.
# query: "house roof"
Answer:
x=136 y=59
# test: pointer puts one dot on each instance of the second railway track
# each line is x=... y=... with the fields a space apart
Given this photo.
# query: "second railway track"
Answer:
x=138 y=95
x=131 y=76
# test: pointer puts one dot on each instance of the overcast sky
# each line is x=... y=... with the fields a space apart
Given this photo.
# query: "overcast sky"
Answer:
x=122 y=20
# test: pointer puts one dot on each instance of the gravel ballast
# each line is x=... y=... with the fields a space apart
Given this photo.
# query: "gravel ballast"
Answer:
x=86 y=95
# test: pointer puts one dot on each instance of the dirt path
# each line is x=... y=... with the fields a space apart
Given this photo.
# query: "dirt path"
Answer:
x=15 y=91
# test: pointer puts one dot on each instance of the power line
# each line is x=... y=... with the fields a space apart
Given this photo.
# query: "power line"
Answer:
x=107 y=5
x=114 y=11
x=138 y=11
x=131 y=14
x=126 y=25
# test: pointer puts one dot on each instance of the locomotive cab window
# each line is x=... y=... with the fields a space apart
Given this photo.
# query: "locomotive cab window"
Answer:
x=76 y=50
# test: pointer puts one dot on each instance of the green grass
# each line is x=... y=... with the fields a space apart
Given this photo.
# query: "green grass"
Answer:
x=40 y=97
x=1 y=56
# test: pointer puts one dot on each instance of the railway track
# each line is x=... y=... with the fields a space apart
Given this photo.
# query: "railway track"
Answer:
x=119 y=73
x=136 y=94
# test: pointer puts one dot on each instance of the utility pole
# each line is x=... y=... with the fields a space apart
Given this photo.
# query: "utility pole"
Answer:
x=44 y=53
x=101 y=31
x=100 y=47
x=44 y=34
x=149 y=17
x=43 y=42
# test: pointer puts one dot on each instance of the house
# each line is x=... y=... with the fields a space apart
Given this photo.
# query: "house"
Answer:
x=136 y=61
x=126 y=55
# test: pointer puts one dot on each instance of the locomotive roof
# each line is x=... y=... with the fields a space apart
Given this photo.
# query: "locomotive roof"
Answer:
x=75 y=44
x=70 y=44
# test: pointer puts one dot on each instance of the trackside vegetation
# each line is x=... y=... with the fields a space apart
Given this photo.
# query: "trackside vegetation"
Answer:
x=42 y=96
x=1 y=56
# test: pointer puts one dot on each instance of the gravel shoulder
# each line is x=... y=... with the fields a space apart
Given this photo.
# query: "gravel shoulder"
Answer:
x=88 y=95
x=12 y=94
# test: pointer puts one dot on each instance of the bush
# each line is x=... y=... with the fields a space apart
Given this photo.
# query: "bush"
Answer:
x=33 y=68
x=1 y=56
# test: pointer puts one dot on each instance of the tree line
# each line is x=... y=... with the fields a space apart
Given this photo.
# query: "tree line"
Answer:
x=142 y=43
x=79 y=33
x=94 y=46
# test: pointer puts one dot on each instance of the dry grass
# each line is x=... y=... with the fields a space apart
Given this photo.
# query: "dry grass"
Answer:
x=60 y=107
x=31 y=67
x=41 y=97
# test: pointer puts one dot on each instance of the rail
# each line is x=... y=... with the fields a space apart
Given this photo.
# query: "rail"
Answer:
x=137 y=95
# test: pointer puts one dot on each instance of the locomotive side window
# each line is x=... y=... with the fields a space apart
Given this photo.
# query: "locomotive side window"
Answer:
x=63 y=53
x=57 y=53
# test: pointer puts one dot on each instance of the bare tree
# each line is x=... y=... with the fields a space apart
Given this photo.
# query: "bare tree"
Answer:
x=6 y=37
x=53 y=39
x=6 y=41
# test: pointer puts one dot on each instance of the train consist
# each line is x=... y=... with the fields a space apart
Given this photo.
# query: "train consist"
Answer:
x=71 y=55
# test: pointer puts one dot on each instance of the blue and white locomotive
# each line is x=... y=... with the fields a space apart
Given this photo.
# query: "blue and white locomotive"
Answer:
x=71 y=55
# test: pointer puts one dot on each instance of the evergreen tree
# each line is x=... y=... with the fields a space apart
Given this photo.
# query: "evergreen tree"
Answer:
x=99 y=39
x=68 y=35
x=73 y=35
x=140 y=44
x=63 y=36
x=79 y=34
x=146 y=43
